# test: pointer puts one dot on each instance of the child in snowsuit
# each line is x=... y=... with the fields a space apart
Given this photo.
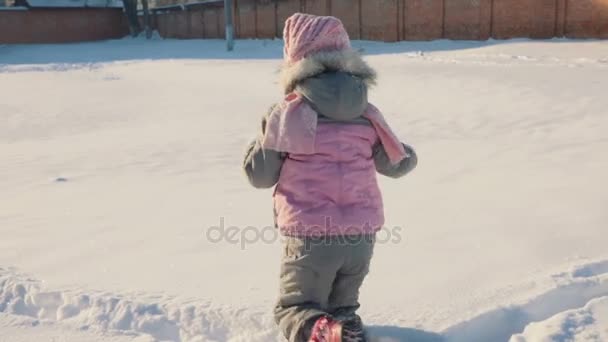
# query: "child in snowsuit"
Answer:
x=322 y=147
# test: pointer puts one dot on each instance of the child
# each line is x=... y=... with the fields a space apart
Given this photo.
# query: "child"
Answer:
x=322 y=147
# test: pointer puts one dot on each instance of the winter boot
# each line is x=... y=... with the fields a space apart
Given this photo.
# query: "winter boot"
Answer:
x=326 y=329
x=353 y=330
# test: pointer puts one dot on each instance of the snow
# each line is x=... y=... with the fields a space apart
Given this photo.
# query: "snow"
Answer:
x=589 y=323
x=25 y=329
x=118 y=158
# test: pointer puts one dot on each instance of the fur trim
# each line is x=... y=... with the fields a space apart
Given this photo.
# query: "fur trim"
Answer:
x=345 y=60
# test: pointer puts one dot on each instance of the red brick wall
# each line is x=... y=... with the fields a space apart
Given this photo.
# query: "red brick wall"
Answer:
x=61 y=25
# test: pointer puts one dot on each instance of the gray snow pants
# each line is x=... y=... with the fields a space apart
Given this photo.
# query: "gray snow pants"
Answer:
x=320 y=276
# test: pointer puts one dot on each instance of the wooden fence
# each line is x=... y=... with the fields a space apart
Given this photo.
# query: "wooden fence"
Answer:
x=61 y=25
x=384 y=20
x=396 y=20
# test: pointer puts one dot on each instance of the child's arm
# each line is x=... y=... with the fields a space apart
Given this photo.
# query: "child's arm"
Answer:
x=262 y=166
x=384 y=166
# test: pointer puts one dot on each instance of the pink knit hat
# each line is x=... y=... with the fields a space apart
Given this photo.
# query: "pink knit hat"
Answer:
x=306 y=34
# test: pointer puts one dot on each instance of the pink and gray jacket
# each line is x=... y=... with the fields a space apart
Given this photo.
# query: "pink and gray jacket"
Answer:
x=322 y=147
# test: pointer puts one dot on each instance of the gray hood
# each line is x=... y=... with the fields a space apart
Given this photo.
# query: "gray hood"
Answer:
x=337 y=95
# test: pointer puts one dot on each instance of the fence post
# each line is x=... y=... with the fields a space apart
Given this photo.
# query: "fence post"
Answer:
x=148 y=29
x=229 y=26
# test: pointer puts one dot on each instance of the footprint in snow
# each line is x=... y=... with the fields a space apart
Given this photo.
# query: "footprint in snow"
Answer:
x=591 y=270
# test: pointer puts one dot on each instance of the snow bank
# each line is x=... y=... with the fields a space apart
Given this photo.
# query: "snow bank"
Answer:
x=576 y=309
x=123 y=315
x=573 y=290
x=587 y=324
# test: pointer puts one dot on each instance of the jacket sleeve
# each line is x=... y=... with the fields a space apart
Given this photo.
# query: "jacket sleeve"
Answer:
x=262 y=166
x=384 y=166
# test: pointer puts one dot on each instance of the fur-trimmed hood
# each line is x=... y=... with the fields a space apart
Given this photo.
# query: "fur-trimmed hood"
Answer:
x=336 y=95
x=348 y=61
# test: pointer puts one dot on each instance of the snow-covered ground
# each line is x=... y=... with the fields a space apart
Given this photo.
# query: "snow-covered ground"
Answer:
x=118 y=158
x=585 y=324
